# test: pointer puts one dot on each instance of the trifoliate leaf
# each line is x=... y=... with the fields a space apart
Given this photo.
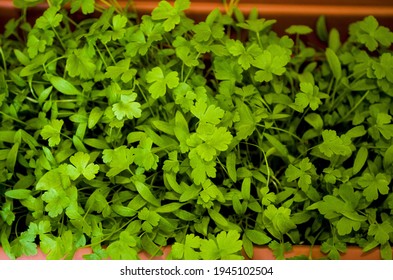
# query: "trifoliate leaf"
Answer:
x=144 y=156
x=333 y=248
x=211 y=114
x=381 y=232
x=127 y=107
x=151 y=219
x=160 y=82
x=334 y=145
x=369 y=33
x=118 y=159
x=225 y=246
x=278 y=221
x=309 y=96
x=121 y=70
x=50 y=18
x=187 y=250
x=271 y=61
x=52 y=132
x=374 y=185
x=302 y=172
x=201 y=169
x=172 y=163
x=81 y=166
x=171 y=14
x=257 y=25
x=81 y=64
x=87 y=6
x=124 y=248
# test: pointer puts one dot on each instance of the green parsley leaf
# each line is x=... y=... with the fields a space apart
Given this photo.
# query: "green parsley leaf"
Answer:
x=211 y=114
x=302 y=172
x=81 y=166
x=201 y=169
x=246 y=56
x=80 y=63
x=271 y=61
x=52 y=132
x=225 y=246
x=144 y=156
x=87 y=6
x=278 y=221
x=369 y=33
x=381 y=232
x=127 y=107
x=171 y=14
x=187 y=250
x=279 y=249
x=334 y=145
x=309 y=96
x=374 y=184
x=124 y=248
x=118 y=159
x=160 y=82
x=172 y=163
x=50 y=18
x=257 y=25
x=122 y=70
x=333 y=248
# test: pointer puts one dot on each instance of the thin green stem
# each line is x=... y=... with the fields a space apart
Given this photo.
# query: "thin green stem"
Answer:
x=59 y=38
x=109 y=235
x=332 y=81
x=354 y=107
x=12 y=118
x=259 y=40
x=145 y=98
x=3 y=58
x=100 y=54
x=118 y=8
x=182 y=72
x=266 y=162
x=282 y=130
x=191 y=68
x=110 y=54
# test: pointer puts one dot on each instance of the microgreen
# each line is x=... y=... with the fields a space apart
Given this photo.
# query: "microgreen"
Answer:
x=125 y=134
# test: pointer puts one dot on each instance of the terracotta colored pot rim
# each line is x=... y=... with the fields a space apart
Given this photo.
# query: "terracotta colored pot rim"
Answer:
x=265 y=9
x=314 y=252
x=205 y=7
x=260 y=253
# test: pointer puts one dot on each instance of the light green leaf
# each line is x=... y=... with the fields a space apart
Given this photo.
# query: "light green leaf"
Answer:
x=147 y=195
x=160 y=82
x=299 y=29
x=52 y=132
x=257 y=237
x=360 y=159
x=334 y=63
x=80 y=160
x=63 y=86
x=18 y=194
x=231 y=166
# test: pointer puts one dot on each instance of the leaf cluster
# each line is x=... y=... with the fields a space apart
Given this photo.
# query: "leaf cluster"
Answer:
x=127 y=135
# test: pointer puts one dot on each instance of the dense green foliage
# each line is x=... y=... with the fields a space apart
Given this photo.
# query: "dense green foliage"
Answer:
x=127 y=135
